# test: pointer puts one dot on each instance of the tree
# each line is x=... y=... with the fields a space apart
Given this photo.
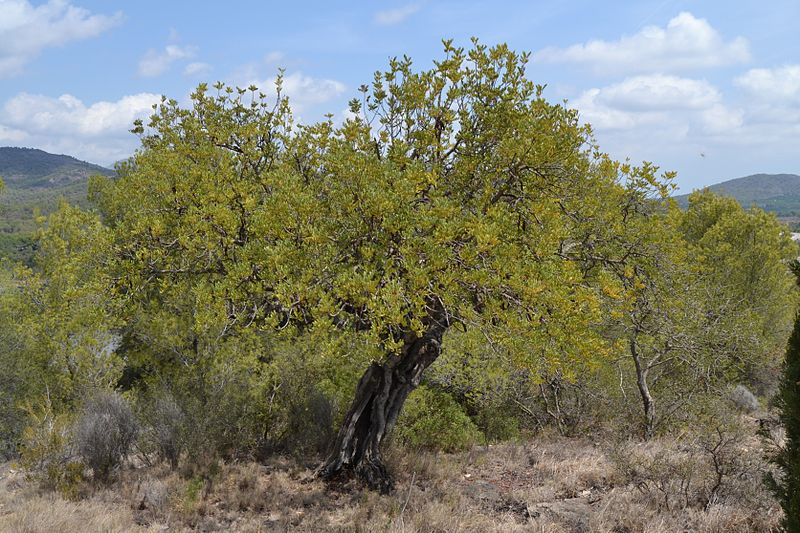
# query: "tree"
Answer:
x=711 y=300
x=742 y=258
x=456 y=197
x=56 y=327
x=788 y=457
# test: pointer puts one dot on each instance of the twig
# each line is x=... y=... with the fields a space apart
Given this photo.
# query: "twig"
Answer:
x=408 y=496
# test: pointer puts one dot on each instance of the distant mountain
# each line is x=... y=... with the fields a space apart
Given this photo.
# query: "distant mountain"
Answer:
x=36 y=181
x=778 y=193
x=26 y=168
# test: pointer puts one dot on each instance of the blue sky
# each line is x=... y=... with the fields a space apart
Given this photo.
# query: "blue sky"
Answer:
x=709 y=89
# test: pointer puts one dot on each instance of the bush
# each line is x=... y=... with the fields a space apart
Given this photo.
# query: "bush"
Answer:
x=744 y=400
x=498 y=424
x=308 y=427
x=431 y=419
x=164 y=424
x=715 y=465
x=46 y=451
x=104 y=433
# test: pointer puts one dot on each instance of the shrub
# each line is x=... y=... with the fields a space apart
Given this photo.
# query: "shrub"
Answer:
x=164 y=424
x=743 y=399
x=431 y=419
x=498 y=424
x=308 y=424
x=715 y=465
x=46 y=451
x=104 y=433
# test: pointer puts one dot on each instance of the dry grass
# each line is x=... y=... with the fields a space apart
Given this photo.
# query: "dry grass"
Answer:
x=23 y=509
x=549 y=485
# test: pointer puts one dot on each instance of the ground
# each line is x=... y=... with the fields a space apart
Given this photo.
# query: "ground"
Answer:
x=551 y=484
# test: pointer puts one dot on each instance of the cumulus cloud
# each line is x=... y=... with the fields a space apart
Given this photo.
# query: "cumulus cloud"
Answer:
x=781 y=83
x=666 y=103
x=659 y=92
x=304 y=92
x=686 y=43
x=155 y=63
x=26 y=30
x=69 y=115
x=197 y=69
x=96 y=132
x=10 y=135
x=390 y=17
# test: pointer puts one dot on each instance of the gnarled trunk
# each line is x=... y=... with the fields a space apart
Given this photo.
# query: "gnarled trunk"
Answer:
x=379 y=398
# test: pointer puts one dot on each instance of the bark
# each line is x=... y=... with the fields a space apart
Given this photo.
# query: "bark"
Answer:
x=379 y=398
x=648 y=403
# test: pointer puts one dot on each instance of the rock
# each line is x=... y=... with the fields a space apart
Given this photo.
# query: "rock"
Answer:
x=484 y=491
x=572 y=512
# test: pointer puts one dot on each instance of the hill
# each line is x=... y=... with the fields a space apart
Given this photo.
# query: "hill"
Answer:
x=26 y=168
x=777 y=193
x=35 y=182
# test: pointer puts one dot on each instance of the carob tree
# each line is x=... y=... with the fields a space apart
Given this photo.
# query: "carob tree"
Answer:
x=450 y=197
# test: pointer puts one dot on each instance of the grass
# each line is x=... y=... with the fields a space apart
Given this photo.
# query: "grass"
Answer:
x=550 y=484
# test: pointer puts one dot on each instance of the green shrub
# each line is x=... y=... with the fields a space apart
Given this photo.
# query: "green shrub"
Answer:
x=431 y=419
x=498 y=424
x=46 y=451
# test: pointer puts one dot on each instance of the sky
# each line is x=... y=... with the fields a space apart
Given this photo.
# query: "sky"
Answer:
x=709 y=89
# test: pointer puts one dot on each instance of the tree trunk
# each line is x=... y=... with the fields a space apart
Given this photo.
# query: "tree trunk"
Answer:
x=648 y=402
x=378 y=400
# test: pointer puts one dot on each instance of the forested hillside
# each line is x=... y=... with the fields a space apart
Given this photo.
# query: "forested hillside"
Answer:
x=776 y=193
x=35 y=183
x=328 y=312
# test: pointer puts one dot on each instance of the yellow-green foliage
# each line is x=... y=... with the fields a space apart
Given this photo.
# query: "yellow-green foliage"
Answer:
x=458 y=184
x=46 y=450
x=59 y=313
x=432 y=419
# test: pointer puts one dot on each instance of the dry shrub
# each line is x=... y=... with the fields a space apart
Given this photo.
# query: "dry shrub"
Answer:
x=721 y=465
x=104 y=433
x=305 y=425
x=163 y=427
x=744 y=400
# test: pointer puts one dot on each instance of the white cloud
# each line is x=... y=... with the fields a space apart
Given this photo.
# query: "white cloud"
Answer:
x=686 y=43
x=659 y=92
x=26 y=30
x=155 y=63
x=657 y=104
x=304 y=92
x=719 y=119
x=197 y=69
x=274 y=57
x=782 y=84
x=68 y=115
x=11 y=135
x=390 y=17
x=692 y=126
x=98 y=132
